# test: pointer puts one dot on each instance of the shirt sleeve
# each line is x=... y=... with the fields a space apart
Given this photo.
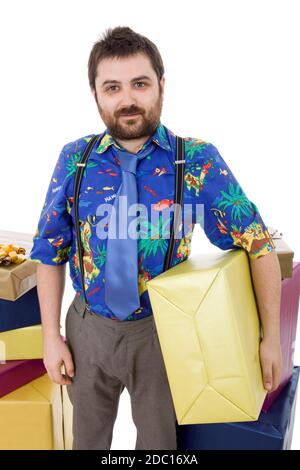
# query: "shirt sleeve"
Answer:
x=53 y=237
x=231 y=220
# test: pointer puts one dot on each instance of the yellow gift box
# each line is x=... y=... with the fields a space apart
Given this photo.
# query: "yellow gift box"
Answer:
x=31 y=417
x=22 y=343
x=209 y=331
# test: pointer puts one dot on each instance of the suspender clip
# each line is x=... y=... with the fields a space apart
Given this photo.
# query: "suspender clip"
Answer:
x=87 y=309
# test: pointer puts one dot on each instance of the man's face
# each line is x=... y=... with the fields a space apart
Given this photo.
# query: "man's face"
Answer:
x=127 y=93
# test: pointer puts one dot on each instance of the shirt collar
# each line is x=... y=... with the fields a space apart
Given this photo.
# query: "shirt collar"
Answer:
x=160 y=137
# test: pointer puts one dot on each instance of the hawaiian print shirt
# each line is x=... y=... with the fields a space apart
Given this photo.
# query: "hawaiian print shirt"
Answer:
x=230 y=220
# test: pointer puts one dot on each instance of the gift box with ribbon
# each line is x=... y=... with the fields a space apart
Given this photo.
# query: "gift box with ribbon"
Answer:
x=17 y=279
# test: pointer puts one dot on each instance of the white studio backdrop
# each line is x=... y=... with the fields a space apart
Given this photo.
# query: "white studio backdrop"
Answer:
x=232 y=77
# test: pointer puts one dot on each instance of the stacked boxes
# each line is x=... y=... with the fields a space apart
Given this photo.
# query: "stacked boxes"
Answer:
x=31 y=407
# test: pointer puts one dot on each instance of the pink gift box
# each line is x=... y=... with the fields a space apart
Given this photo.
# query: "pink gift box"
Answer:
x=288 y=327
x=14 y=374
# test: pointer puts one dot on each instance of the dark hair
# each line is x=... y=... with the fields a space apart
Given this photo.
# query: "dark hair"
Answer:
x=122 y=41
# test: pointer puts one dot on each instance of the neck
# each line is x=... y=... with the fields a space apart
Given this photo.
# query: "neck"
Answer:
x=134 y=145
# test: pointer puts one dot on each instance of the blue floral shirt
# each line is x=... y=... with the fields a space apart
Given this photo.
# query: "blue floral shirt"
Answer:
x=230 y=220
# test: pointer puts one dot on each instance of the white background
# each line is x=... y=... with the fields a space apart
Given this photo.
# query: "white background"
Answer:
x=232 y=78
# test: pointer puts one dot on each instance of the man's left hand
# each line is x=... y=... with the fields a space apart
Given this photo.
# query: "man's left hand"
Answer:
x=271 y=363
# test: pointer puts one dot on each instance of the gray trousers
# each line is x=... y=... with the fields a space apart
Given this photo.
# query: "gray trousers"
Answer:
x=109 y=355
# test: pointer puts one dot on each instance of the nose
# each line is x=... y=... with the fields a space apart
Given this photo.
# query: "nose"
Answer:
x=128 y=101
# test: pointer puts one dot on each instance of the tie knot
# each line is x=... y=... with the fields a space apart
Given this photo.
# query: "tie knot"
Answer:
x=128 y=162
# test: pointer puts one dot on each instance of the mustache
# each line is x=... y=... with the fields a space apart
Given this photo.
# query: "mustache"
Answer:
x=128 y=112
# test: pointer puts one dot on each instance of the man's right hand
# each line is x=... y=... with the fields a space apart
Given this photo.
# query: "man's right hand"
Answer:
x=56 y=354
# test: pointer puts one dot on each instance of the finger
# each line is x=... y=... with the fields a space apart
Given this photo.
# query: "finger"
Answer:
x=58 y=377
x=276 y=377
x=65 y=380
x=267 y=376
x=69 y=365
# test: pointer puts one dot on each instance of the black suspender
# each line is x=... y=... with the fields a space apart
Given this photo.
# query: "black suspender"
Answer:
x=179 y=186
x=177 y=219
x=77 y=182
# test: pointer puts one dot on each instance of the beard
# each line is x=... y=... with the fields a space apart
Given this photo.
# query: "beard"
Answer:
x=136 y=127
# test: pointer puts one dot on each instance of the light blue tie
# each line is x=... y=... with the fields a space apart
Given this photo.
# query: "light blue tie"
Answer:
x=121 y=265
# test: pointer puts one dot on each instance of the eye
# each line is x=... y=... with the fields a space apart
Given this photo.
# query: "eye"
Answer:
x=113 y=86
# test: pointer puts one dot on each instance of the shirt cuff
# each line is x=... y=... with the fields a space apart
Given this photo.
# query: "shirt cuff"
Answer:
x=255 y=239
x=44 y=251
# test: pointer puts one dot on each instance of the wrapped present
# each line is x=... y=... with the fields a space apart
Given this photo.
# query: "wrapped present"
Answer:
x=209 y=332
x=31 y=417
x=14 y=374
x=284 y=252
x=22 y=343
x=25 y=311
x=272 y=431
x=290 y=292
x=16 y=279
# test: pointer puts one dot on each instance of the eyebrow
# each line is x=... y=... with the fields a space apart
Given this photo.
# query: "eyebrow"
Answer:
x=141 y=77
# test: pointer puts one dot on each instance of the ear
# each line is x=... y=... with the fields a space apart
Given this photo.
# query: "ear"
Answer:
x=94 y=93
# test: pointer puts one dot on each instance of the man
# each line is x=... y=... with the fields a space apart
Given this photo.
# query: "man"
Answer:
x=111 y=339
